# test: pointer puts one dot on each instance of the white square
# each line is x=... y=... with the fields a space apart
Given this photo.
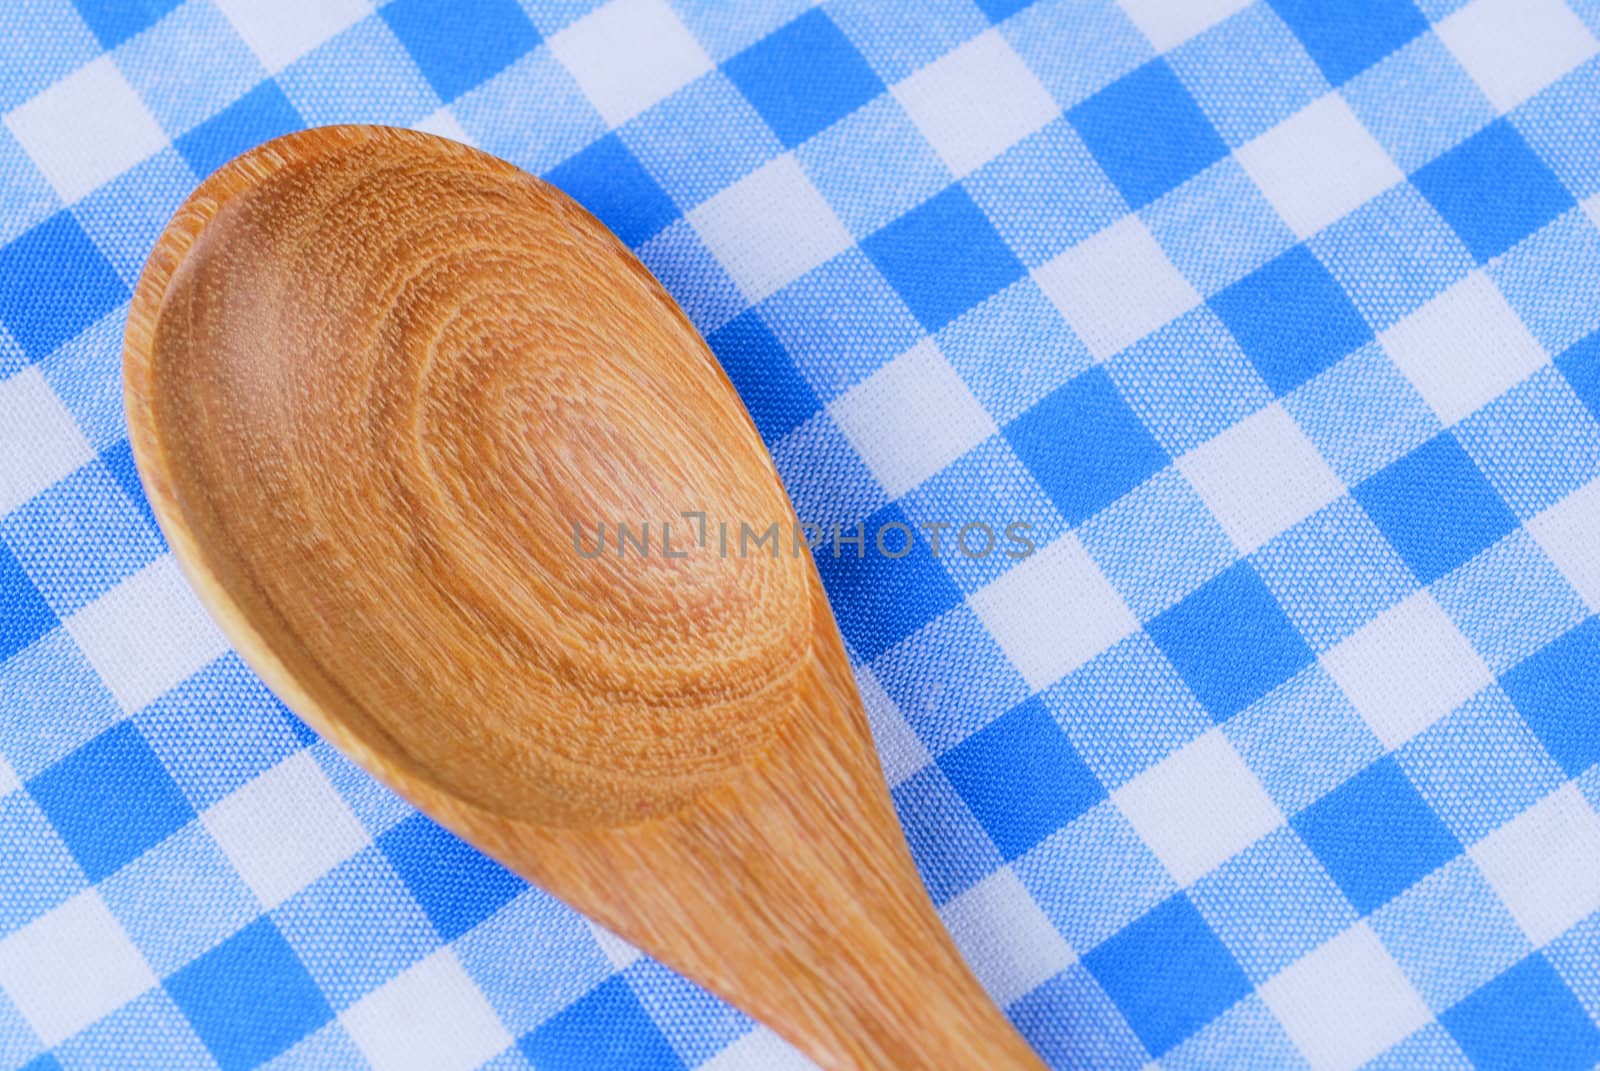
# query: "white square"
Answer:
x=770 y=228
x=1591 y=208
x=1406 y=668
x=8 y=777
x=281 y=31
x=1464 y=348
x=1116 y=287
x=285 y=829
x=1007 y=941
x=1544 y=864
x=431 y=1018
x=911 y=418
x=1052 y=612
x=976 y=101
x=39 y=441
x=1566 y=532
x=1318 y=164
x=146 y=634
x=1167 y=23
x=759 y=1050
x=899 y=751
x=1345 y=1002
x=628 y=55
x=444 y=124
x=1260 y=477
x=86 y=129
x=1198 y=807
x=1514 y=48
x=71 y=966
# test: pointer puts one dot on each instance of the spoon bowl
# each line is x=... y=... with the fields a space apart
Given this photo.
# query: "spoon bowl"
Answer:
x=395 y=403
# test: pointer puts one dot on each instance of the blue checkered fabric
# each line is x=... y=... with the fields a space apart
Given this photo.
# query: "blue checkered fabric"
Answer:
x=1278 y=324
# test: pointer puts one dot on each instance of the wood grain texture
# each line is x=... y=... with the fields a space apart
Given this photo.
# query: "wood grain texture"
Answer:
x=373 y=378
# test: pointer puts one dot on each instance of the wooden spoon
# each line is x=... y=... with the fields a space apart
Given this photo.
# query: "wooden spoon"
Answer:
x=373 y=379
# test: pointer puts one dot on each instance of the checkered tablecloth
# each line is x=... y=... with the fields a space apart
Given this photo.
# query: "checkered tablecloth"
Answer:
x=1276 y=321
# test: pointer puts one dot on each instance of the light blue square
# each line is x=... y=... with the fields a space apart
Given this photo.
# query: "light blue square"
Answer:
x=1093 y=876
x=1536 y=443
x=1189 y=380
x=532 y=113
x=531 y=959
x=700 y=140
x=827 y=481
x=1422 y=928
x=1019 y=321
x=1248 y=73
x=1302 y=740
x=1431 y=1047
x=1105 y=45
x=1362 y=414
x=897 y=39
x=25 y=195
x=1417 y=102
x=1071 y=1022
x=18 y=1043
x=330 y=1046
x=682 y=263
x=1563 y=126
x=84 y=373
x=148 y=1033
x=1126 y=710
x=355 y=927
x=189 y=66
x=1576 y=957
x=1333 y=572
x=1157 y=543
x=871 y=166
x=1272 y=903
x=949 y=846
x=56 y=41
x=1246 y=1035
x=990 y=486
x=373 y=803
x=37 y=872
x=126 y=215
x=1046 y=193
x=1510 y=601
x=840 y=322
x=1568 y=249
x=363 y=75
x=949 y=679
x=721 y=28
x=78 y=538
x=179 y=900
x=51 y=702
x=1392 y=255
x=696 y=1024
x=1217 y=227
x=1480 y=765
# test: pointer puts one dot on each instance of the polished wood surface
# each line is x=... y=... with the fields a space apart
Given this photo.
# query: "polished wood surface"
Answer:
x=373 y=379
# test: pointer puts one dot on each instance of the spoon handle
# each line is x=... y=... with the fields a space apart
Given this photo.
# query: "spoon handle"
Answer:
x=792 y=894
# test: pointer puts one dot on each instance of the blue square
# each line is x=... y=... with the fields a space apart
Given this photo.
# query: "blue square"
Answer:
x=606 y=179
x=27 y=615
x=1376 y=835
x=53 y=284
x=1581 y=365
x=1207 y=634
x=457 y=885
x=1021 y=777
x=1346 y=37
x=944 y=257
x=948 y=845
x=1557 y=692
x=1168 y=973
x=879 y=600
x=111 y=800
x=608 y=1027
x=249 y=998
x=1272 y=903
x=1292 y=318
x=779 y=400
x=114 y=21
x=1085 y=446
x=460 y=43
x=1435 y=507
x=803 y=77
x=1147 y=133
x=1526 y=1018
x=1493 y=189
x=259 y=115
